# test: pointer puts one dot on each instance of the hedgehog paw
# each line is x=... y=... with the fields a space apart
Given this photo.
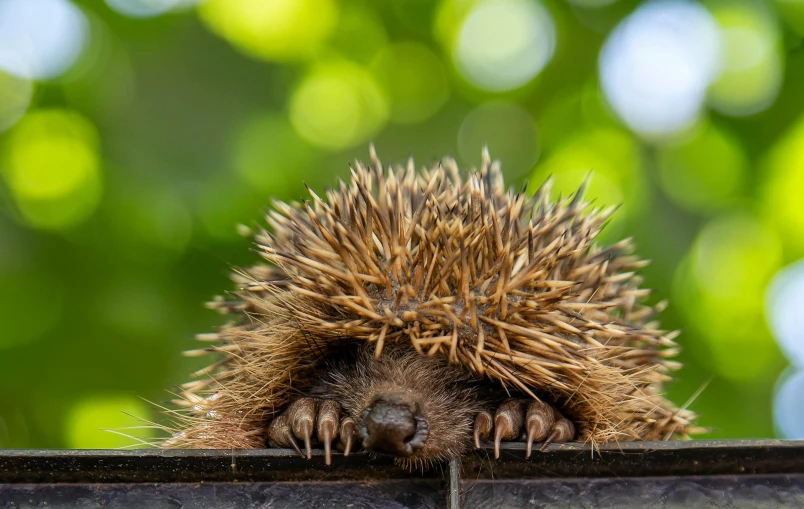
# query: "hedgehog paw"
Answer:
x=517 y=419
x=313 y=421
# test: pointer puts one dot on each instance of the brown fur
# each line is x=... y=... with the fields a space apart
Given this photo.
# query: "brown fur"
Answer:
x=506 y=287
x=448 y=397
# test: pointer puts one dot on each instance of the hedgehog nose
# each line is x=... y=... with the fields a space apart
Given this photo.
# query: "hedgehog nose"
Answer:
x=393 y=428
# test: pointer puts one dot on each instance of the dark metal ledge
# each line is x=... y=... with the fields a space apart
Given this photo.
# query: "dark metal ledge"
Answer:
x=632 y=459
x=762 y=473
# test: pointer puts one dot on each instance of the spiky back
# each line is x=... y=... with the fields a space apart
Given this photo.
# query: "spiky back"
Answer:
x=510 y=286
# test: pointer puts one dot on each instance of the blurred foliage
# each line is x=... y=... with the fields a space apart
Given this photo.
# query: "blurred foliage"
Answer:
x=123 y=178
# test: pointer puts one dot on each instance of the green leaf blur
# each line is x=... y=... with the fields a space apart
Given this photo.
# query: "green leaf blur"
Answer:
x=123 y=180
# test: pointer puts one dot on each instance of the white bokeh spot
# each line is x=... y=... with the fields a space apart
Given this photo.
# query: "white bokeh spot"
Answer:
x=657 y=64
x=502 y=45
x=788 y=406
x=147 y=8
x=785 y=311
x=40 y=39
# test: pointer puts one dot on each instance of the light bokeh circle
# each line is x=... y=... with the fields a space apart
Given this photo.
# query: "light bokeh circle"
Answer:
x=719 y=288
x=788 y=406
x=338 y=105
x=657 y=64
x=707 y=172
x=502 y=45
x=785 y=311
x=90 y=423
x=752 y=58
x=276 y=30
x=783 y=187
x=40 y=39
x=52 y=166
x=143 y=8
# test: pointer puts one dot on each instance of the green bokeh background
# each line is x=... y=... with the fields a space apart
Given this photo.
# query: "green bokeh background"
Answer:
x=122 y=185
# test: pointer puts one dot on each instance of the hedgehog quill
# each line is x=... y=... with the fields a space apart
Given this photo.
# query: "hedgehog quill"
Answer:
x=418 y=314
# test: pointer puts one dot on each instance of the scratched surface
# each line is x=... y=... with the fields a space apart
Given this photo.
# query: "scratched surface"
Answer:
x=765 y=473
x=639 y=493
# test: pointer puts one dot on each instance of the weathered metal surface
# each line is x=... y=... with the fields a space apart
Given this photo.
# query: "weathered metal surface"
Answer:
x=638 y=493
x=632 y=459
x=394 y=494
x=151 y=465
x=764 y=473
x=637 y=459
x=746 y=491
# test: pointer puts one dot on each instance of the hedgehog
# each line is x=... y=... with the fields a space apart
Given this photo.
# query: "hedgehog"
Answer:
x=419 y=314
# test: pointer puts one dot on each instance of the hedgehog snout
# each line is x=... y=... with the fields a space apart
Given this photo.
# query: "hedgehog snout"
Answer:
x=393 y=426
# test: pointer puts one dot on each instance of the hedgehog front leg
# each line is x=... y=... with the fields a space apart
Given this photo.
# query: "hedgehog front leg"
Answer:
x=306 y=415
x=541 y=423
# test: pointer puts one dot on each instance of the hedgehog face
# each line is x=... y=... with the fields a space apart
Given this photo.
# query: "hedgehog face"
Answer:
x=406 y=404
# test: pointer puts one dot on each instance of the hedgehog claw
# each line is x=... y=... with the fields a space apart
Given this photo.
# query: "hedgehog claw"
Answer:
x=562 y=431
x=327 y=430
x=497 y=440
x=281 y=435
x=483 y=421
x=507 y=423
x=539 y=419
x=348 y=432
x=307 y=432
x=292 y=441
x=541 y=423
x=302 y=414
x=313 y=421
x=549 y=440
